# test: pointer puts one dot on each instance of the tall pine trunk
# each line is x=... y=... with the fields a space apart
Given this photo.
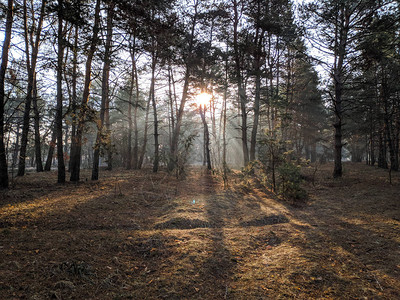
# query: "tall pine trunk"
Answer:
x=59 y=114
x=105 y=98
x=74 y=97
x=3 y=68
x=172 y=100
x=241 y=91
x=155 y=120
x=206 y=137
x=135 y=117
x=36 y=117
x=257 y=64
x=338 y=78
x=144 y=145
x=130 y=121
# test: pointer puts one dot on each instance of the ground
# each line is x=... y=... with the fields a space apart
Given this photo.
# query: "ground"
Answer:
x=140 y=235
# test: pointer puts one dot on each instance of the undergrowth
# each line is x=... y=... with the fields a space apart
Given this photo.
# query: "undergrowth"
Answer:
x=288 y=185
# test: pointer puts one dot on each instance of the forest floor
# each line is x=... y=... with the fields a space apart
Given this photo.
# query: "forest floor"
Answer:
x=139 y=235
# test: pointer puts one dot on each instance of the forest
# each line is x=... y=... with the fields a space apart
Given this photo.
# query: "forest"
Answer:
x=113 y=84
x=156 y=128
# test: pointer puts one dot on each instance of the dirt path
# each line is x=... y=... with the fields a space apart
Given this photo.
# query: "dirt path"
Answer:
x=139 y=235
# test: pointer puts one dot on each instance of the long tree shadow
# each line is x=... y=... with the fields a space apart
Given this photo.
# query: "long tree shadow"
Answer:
x=218 y=268
x=349 y=253
x=211 y=266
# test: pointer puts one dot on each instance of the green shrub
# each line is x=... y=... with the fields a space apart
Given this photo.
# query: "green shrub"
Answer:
x=290 y=180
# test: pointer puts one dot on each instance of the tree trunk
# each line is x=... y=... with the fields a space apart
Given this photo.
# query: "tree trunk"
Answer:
x=16 y=146
x=153 y=100
x=144 y=145
x=340 y=48
x=135 y=116
x=257 y=62
x=394 y=166
x=130 y=123
x=206 y=137
x=372 y=145
x=256 y=114
x=224 y=163
x=3 y=68
x=50 y=154
x=38 y=151
x=172 y=100
x=382 y=161
x=105 y=97
x=241 y=91
x=74 y=94
x=28 y=100
x=59 y=114
x=76 y=148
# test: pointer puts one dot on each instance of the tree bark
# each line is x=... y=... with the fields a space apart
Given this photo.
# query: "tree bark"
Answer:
x=59 y=114
x=144 y=145
x=172 y=100
x=382 y=160
x=130 y=122
x=38 y=151
x=206 y=138
x=135 y=116
x=50 y=154
x=155 y=120
x=257 y=63
x=74 y=93
x=3 y=68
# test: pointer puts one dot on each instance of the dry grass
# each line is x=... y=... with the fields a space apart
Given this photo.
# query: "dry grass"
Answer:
x=139 y=235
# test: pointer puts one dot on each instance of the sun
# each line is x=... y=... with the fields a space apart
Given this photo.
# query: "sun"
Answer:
x=203 y=99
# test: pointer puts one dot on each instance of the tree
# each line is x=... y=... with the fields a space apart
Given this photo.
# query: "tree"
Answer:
x=206 y=136
x=336 y=31
x=105 y=97
x=379 y=64
x=188 y=65
x=3 y=68
x=76 y=147
x=59 y=113
x=31 y=53
x=239 y=81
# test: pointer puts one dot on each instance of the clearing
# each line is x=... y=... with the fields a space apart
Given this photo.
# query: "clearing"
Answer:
x=139 y=235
